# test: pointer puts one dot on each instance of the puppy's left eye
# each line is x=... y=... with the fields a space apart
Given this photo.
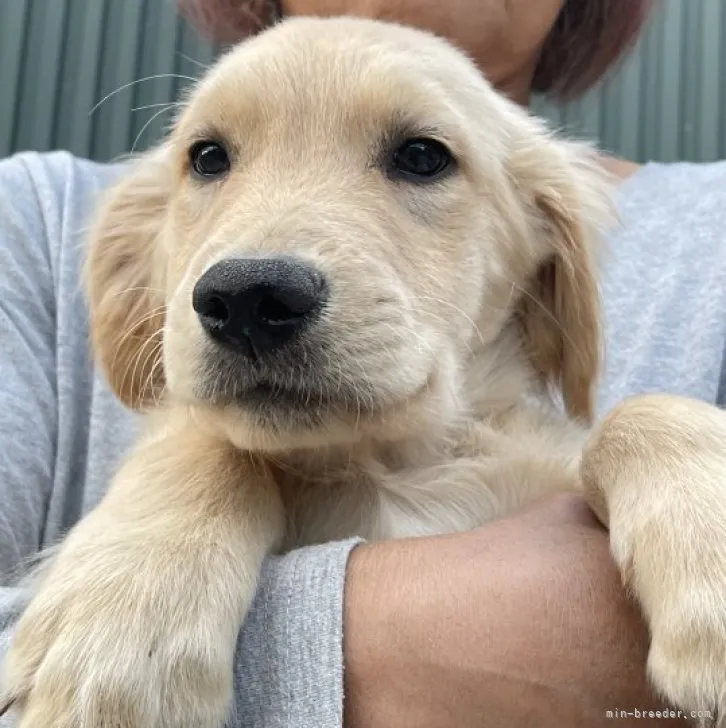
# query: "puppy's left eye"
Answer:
x=209 y=159
x=422 y=159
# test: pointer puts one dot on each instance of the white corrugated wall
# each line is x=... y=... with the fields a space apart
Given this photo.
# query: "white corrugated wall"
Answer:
x=59 y=58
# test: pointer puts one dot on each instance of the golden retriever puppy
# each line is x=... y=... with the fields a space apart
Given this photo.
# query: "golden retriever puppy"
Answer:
x=353 y=289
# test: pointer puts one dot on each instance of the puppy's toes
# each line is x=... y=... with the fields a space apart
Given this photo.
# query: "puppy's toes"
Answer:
x=687 y=665
x=18 y=676
x=7 y=702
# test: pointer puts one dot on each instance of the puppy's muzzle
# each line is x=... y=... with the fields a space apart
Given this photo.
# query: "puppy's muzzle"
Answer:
x=256 y=305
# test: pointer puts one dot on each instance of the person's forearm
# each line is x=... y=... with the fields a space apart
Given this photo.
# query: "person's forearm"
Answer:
x=399 y=612
x=521 y=623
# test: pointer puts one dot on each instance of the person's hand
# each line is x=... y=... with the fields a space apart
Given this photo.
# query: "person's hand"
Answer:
x=521 y=623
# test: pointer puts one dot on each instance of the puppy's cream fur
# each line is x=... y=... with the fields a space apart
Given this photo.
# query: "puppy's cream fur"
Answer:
x=461 y=313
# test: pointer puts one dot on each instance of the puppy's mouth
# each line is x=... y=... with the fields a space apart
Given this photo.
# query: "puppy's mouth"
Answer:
x=303 y=386
x=269 y=394
x=264 y=389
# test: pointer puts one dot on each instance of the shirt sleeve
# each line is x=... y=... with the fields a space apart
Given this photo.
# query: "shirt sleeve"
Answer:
x=289 y=661
x=28 y=398
x=28 y=414
x=289 y=667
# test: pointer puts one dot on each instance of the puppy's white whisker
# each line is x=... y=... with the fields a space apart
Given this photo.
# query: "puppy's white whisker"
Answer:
x=148 y=123
x=527 y=294
x=199 y=64
x=125 y=86
x=140 y=289
x=137 y=324
x=134 y=330
x=168 y=105
x=142 y=352
x=458 y=310
x=156 y=366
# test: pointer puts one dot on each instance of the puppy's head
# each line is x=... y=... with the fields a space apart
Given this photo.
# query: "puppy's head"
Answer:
x=342 y=211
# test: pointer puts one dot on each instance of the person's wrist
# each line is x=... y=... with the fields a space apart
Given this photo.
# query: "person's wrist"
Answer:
x=374 y=631
x=399 y=609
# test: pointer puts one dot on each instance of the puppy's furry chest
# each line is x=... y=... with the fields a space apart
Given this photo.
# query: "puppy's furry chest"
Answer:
x=480 y=471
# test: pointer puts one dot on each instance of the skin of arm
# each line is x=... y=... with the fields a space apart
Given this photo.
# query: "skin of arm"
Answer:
x=521 y=623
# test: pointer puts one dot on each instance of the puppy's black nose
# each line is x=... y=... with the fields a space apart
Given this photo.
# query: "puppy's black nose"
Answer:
x=257 y=304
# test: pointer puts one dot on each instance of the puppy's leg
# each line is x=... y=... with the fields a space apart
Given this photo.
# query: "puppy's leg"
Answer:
x=135 y=623
x=655 y=473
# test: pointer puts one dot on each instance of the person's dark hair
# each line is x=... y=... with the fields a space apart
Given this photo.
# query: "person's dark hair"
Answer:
x=588 y=38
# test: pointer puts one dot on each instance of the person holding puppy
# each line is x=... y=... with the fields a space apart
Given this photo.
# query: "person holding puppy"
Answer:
x=519 y=623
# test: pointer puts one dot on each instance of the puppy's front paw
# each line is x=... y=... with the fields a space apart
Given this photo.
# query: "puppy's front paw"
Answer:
x=113 y=644
x=655 y=473
x=687 y=659
x=682 y=588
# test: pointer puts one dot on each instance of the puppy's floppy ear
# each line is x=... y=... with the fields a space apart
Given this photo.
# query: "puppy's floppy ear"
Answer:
x=560 y=315
x=125 y=281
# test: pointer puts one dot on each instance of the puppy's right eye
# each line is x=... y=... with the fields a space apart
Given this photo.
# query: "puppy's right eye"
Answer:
x=209 y=160
x=422 y=159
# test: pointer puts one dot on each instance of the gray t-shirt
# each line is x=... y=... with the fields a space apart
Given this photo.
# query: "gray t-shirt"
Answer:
x=62 y=432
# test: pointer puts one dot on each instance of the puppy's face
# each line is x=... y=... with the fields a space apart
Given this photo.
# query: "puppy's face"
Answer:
x=341 y=213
